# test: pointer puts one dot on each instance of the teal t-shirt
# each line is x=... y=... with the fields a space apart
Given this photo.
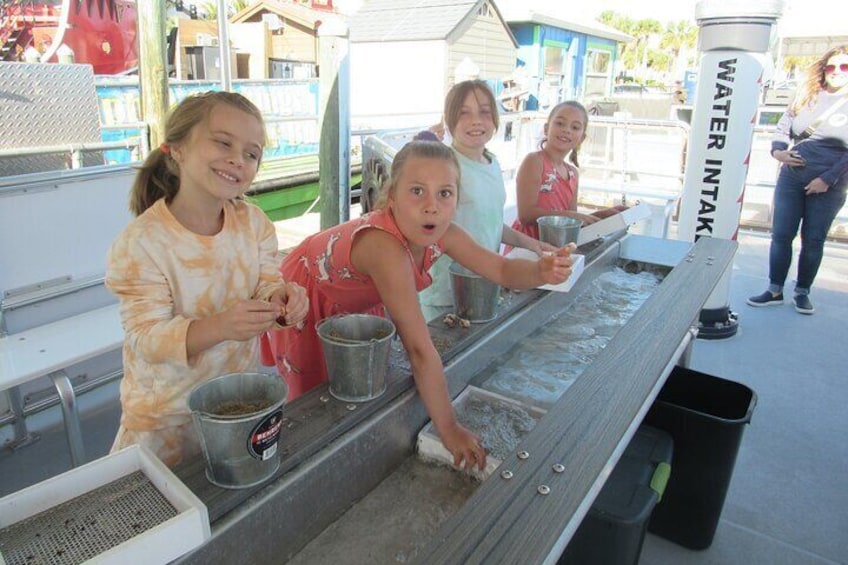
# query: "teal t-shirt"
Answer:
x=480 y=212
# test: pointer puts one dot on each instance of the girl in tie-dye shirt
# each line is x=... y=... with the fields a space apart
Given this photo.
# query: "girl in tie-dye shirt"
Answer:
x=381 y=260
x=196 y=271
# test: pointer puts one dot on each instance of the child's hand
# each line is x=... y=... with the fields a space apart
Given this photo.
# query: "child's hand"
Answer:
x=248 y=318
x=439 y=130
x=464 y=445
x=293 y=304
x=607 y=212
x=544 y=247
x=556 y=268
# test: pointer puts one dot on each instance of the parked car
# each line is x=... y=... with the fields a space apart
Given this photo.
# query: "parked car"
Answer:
x=629 y=89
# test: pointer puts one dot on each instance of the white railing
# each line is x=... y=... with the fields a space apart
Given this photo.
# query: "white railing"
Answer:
x=626 y=159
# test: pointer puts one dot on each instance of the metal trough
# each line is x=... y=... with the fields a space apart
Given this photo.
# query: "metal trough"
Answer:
x=344 y=464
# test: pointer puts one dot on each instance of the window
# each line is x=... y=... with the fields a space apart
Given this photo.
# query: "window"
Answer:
x=598 y=72
x=554 y=60
x=598 y=62
x=485 y=10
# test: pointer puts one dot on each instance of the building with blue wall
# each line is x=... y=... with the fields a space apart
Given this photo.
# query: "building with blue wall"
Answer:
x=561 y=57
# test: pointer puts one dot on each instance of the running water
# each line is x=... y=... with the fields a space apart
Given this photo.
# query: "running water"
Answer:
x=499 y=423
x=541 y=367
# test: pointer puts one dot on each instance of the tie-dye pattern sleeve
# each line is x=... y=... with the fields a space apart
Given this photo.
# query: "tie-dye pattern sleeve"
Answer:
x=152 y=330
x=270 y=279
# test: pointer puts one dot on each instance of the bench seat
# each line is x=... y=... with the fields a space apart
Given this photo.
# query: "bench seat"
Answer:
x=47 y=350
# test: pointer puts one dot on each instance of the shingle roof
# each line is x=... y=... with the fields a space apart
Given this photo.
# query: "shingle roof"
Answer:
x=408 y=20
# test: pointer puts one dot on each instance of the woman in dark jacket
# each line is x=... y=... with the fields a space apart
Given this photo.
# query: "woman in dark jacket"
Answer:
x=811 y=185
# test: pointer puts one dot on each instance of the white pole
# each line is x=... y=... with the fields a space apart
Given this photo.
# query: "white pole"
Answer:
x=224 y=46
x=733 y=39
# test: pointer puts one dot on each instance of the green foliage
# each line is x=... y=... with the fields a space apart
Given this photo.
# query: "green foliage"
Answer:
x=654 y=46
x=793 y=65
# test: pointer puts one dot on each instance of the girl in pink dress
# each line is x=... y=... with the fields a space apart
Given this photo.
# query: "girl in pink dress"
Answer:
x=546 y=185
x=382 y=259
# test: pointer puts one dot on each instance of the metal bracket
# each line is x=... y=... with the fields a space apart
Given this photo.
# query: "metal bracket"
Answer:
x=23 y=437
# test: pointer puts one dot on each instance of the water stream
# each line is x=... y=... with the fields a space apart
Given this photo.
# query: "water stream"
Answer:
x=539 y=368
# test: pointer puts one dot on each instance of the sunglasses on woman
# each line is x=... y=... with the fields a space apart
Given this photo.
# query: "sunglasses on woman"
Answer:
x=829 y=69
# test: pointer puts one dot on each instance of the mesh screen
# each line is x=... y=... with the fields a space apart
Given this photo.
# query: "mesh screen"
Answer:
x=87 y=525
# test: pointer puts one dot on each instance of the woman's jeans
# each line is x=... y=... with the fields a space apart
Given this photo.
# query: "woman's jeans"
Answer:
x=815 y=213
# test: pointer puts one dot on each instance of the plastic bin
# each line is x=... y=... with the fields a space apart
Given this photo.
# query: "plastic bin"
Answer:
x=614 y=528
x=705 y=416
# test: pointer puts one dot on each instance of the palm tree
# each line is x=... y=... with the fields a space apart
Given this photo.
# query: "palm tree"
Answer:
x=680 y=39
x=645 y=52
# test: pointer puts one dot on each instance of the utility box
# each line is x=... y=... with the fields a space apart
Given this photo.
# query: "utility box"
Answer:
x=204 y=62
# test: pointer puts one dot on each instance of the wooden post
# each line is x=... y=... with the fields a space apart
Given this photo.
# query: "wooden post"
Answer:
x=334 y=123
x=153 y=68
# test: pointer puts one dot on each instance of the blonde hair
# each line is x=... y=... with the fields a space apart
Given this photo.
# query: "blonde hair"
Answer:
x=579 y=107
x=421 y=149
x=159 y=175
x=456 y=97
x=814 y=81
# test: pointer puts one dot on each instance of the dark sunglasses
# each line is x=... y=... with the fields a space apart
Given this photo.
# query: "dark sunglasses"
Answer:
x=843 y=68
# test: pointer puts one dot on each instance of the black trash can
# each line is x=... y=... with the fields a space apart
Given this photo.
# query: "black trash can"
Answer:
x=614 y=529
x=706 y=416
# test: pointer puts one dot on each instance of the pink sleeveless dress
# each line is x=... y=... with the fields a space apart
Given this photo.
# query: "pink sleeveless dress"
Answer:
x=555 y=193
x=321 y=265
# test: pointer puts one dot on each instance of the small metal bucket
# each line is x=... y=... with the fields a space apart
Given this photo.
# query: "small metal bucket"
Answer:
x=356 y=350
x=238 y=418
x=475 y=298
x=559 y=230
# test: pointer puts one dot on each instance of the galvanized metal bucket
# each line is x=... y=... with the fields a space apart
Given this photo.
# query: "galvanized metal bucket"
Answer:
x=475 y=298
x=238 y=418
x=356 y=350
x=558 y=230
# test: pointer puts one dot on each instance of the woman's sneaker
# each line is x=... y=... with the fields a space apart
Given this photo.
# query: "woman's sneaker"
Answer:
x=803 y=304
x=766 y=299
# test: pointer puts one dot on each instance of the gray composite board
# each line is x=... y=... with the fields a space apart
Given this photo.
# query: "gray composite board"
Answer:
x=508 y=521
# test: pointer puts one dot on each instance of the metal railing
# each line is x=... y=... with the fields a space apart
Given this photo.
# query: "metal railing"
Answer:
x=634 y=158
x=634 y=155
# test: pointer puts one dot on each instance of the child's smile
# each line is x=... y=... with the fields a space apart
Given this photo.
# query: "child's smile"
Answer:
x=566 y=130
x=475 y=126
x=221 y=157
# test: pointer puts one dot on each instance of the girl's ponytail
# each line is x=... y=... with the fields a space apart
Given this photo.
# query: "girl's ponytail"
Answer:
x=573 y=156
x=158 y=177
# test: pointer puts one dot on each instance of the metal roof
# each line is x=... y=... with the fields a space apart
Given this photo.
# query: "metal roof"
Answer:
x=409 y=20
x=559 y=16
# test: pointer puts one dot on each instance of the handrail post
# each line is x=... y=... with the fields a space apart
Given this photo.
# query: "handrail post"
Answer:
x=334 y=145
